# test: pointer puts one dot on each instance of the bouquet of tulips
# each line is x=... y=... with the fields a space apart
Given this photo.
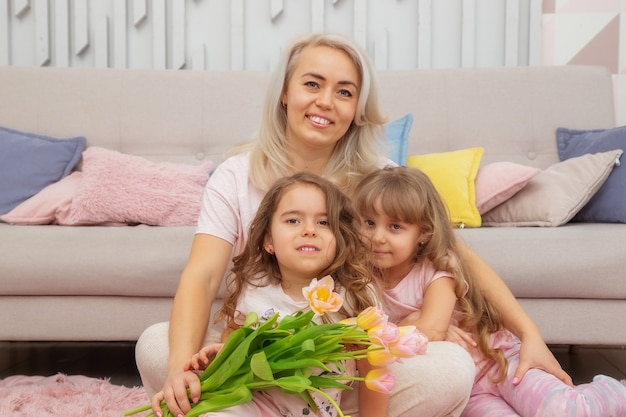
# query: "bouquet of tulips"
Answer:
x=282 y=354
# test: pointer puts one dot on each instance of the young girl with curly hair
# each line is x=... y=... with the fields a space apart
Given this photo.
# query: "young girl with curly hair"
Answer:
x=305 y=229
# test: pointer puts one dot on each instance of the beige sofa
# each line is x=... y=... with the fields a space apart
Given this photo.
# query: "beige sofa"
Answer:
x=109 y=283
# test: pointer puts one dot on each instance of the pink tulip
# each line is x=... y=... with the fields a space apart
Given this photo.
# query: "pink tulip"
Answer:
x=380 y=380
x=371 y=317
x=321 y=295
x=410 y=342
x=384 y=334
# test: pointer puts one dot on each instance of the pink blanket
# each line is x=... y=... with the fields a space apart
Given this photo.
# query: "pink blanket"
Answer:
x=67 y=396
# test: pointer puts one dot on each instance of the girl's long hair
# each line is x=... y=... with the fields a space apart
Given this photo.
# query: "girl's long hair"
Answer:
x=350 y=267
x=355 y=153
x=408 y=195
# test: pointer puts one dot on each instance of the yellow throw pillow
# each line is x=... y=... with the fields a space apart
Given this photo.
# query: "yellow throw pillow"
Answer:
x=453 y=174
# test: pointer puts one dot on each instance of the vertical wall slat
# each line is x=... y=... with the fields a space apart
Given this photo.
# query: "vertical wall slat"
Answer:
x=276 y=8
x=178 y=34
x=101 y=43
x=511 y=31
x=424 y=34
x=198 y=59
x=317 y=16
x=534 y=32
x=139 y=12
x=159 y=57
x=21 y=7
x=468 y=34
x=236 y=35
x=381 y=50
x=61 y=33
x=360 y=22
x=4 y=32
x=81 y=26
x=42 y=33
x=119 y=33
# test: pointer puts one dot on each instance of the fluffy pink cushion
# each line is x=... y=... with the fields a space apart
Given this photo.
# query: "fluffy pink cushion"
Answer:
x=49 y=206
x=117 y=187
x=497 y=182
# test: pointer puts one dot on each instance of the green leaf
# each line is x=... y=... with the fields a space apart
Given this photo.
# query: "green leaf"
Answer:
x=298 y=363
x=233 y=340
x=319 y=381
x=293 y=383
x=260 y=367
x=308 y=346
x=251 y=318
x=296 y=321
x=235 y=359
x=221 y=400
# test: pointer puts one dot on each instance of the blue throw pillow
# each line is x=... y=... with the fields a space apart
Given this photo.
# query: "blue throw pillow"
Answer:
x=29 y=163
x=608 y=205
x=397 y=134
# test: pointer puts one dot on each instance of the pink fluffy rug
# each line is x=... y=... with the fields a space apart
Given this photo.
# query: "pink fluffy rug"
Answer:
x=67 y=396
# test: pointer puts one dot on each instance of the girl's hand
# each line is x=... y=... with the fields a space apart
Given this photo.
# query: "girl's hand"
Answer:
x=535 y=354
x=176 y=393
x=460 y=337
x=203 y=358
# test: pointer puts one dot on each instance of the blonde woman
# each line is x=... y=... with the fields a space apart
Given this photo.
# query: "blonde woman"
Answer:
x=321 y=116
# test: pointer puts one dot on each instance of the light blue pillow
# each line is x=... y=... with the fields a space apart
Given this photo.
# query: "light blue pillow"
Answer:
x=608 y=205
x=397 y=134
x=30 y=162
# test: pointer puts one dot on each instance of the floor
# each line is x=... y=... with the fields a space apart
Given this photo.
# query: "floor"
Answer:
x=116 y=360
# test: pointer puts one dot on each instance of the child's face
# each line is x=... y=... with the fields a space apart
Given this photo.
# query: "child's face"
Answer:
x=394 y=243
x=300 y=236
x=321 y=98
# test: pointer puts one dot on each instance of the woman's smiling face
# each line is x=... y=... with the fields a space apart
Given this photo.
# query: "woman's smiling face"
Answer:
x=321 y=97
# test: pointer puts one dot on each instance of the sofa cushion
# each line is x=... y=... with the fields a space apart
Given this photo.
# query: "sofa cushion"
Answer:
x=608 y=205
x=499 y=181
x=397 y=135
x=50 y=205
x=453 y=175
x=121 y=188
x=30 y=162
x=555 y=195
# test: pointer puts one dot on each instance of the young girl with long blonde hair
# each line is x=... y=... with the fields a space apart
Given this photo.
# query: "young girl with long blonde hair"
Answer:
x=416 y=252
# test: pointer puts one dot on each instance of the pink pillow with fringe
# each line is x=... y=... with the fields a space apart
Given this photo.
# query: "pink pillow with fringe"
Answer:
x=498 y=181
x=122 y=188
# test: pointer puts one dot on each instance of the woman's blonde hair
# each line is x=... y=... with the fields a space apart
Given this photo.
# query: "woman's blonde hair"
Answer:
x=350 y=267
x=356 y=152
x=408 y=195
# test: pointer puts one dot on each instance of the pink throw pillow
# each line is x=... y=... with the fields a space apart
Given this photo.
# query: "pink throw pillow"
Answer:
x=124 y=188
x=497 y=182
x=49 y=206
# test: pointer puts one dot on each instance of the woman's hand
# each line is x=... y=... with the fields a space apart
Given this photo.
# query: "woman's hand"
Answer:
x=460 y=337
x=203 y=358
x=176 y=392
x=535 y=354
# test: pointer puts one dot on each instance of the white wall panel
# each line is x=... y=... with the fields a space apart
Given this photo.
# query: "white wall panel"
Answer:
x=42 y=33
x=250 y=34
x=80 y=23
x=61 y=33
x=120 y=33
x=4 y=32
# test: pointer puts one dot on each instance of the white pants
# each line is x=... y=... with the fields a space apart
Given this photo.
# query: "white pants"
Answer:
x=432 y=385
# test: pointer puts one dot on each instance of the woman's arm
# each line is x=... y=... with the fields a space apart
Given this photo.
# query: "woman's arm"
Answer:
x=534 y=353
x=371 y=403
x=191 y=309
